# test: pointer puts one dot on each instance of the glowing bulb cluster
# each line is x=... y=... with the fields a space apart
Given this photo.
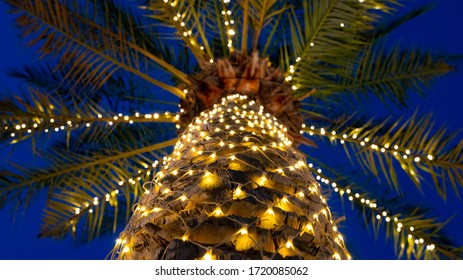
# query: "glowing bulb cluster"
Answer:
x=222 y=138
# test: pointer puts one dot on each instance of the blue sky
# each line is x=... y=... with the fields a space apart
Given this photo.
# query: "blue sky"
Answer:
x=439 y=30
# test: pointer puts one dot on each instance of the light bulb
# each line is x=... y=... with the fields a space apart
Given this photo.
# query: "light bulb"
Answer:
x=208 y=256
x=218 y=212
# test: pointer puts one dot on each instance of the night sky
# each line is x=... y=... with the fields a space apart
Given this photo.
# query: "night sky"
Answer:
x=440 y=31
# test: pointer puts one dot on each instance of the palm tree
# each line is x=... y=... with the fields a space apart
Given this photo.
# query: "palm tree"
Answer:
x=253 y=80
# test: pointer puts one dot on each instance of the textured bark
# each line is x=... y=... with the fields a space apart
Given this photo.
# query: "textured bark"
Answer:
x=253 y=76
x=234 y=188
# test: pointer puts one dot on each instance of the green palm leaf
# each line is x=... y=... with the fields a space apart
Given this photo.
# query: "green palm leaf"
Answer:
x=93 y=50
x=413 y=143
x=390 y=74
x=260 y=15
x=38 y=113
x=409 y=225
x=67 y=167
x=101 y=92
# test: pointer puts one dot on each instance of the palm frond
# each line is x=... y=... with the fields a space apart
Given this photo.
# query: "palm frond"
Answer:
x=121 y=92
x=100 y=199
x=143 y=33
x=260 y=14
x=409 y=225
x=87 y=211
x=93 y=50
x=111 y=137
x=387 y=26
x=414 y=143
x=107 y=60
x=332 y=28
x=38 y=113
x=390 y=74
x=189 y=24
x=67 y=169
x=214 y=26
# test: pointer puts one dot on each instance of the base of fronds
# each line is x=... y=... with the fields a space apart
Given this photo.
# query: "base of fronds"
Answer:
x=252 y=76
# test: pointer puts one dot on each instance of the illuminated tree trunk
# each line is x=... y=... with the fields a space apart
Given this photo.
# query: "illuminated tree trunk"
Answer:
x=235 y=188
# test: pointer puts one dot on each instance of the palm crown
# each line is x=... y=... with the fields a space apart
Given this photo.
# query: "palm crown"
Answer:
x=117 y=72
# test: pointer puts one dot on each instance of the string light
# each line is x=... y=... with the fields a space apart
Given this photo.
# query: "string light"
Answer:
x=111 y=193
x=373 y=206
x=180 y=23
x=386 y=148
x=221 y=151
x=208 y=256
x=238 y=193
x=218 y=212
x=59 y=123
x=228 y=22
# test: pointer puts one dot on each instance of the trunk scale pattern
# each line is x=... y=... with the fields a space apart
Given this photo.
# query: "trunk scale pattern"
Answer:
x=234 y=188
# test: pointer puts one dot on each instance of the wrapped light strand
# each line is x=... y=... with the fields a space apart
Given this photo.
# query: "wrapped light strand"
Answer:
x=234 y=187
x=378 y=211
x=87 y=207
x=60 y=123
x=180 y=22
x=353 y=137
x=228 y=23
x=291 y=71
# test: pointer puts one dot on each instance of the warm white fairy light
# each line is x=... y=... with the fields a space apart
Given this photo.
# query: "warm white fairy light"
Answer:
x=373 y=206
x=218 y=212
x=208 y=256
x=265 y=124
x=386 y=148
x=87 y=206
x=244 y=230
x=228 y=22
x=58 y=124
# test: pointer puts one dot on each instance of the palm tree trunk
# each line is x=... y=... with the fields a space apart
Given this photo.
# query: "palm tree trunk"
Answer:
x=235 y=188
